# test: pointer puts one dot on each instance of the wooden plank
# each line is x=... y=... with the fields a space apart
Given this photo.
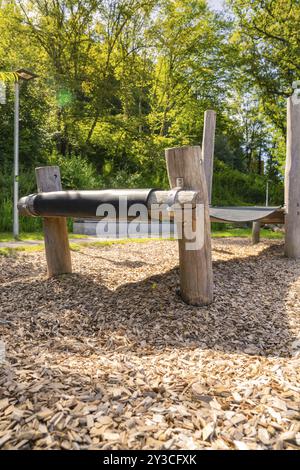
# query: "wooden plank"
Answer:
x=208 y=147
x=292 y=181
x=256 y=226
x=277 y=217
x=196 y=280
x=55 y=228
x=270 y=220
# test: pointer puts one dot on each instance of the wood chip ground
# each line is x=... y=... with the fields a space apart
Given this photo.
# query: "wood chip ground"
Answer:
x=111 y=358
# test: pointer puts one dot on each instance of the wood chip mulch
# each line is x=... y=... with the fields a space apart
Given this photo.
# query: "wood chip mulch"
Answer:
x=111 y=358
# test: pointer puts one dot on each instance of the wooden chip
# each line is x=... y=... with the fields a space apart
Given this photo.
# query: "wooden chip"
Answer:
x=263 y=436
x=5 y=438
x=239 y=445
x=102 y=360
x=208 y=431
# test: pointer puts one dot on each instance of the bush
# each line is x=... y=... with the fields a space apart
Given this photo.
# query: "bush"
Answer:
x=232 y=187
x=27 y=185
x=76 y=172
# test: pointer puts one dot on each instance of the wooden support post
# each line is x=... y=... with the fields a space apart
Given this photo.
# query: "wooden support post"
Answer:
x=256 y=226
x=208 y=147
x=196 y=281
x=292 y=181
x=55 y=228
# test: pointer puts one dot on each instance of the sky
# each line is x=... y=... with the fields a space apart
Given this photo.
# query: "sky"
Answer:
x=215 y=4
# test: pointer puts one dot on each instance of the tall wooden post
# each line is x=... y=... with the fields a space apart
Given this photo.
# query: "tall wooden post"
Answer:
x=55 y=228
x=208 y=147
x=256 y=226
x=292 y=180
x=196 y=280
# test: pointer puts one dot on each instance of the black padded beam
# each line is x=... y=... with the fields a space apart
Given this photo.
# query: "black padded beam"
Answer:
x=80 y=203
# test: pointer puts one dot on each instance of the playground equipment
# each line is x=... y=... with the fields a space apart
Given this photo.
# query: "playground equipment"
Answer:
x=190 y=178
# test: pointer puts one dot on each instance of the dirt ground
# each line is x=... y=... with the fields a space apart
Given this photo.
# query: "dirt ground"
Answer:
x=111 y=358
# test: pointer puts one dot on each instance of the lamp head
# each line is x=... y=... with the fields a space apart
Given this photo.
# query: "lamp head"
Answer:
x=25 y=74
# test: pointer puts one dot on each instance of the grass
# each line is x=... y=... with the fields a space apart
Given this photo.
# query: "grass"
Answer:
x=13 y=251
x=246 y=233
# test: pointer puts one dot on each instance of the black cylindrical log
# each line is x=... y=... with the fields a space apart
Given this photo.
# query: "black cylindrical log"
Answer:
x=82 y=203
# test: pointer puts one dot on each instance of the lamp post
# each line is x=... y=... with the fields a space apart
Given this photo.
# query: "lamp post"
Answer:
x=26 y=75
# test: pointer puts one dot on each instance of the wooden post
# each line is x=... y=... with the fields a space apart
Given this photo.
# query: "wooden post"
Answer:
x=55 y=228
x=196 y=281
x=208 y=147
x=256 y=226
x=292 y=181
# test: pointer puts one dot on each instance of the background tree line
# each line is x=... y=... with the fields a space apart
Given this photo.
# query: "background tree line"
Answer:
x=121 y=80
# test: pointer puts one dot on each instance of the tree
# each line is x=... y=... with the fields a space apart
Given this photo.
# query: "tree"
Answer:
x=267 y=32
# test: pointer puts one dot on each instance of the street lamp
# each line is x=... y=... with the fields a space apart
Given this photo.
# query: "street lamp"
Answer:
x=26 y=75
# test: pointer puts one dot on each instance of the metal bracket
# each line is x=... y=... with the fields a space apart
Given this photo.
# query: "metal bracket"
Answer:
x=26 y=205
x=172 y=197
x=179 y=182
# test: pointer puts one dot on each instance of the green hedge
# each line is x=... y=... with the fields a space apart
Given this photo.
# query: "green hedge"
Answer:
x=231 y=187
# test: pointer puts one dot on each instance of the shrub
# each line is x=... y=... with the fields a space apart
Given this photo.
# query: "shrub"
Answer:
x=76 y=172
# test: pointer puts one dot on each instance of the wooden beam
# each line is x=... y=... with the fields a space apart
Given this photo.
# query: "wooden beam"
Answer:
x=196 y=281
x=55 y=228
x=256 y=226
x=270 y=220
x=292 y=181
x=181 y=198
x=208 y=147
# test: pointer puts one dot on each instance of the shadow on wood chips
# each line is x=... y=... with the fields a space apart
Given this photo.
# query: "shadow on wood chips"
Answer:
x=248 y=314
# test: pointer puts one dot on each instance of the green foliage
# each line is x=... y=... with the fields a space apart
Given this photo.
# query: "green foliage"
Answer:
x=27 y=185
x=231 y=187
x=266 y=36
x=76 y=172
x=119 y=81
